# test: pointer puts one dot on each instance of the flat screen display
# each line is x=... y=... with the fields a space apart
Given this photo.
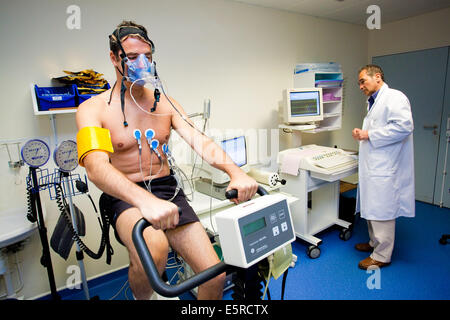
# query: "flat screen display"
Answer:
x=236 y=149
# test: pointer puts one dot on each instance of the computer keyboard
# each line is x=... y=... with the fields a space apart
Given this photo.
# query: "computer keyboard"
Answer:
x=333 y=159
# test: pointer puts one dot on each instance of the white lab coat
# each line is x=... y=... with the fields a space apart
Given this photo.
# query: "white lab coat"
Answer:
x=386 y=160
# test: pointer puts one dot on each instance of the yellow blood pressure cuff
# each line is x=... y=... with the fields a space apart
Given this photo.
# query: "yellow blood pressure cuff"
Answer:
x=93 y=139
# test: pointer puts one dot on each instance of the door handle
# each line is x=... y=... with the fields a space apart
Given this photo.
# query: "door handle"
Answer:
x=433 y=127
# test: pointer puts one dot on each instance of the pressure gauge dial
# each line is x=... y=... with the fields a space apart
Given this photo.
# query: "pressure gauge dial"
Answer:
x=35 y=153
x=66 y=156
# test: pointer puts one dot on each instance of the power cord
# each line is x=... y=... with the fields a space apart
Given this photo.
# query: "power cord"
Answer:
x=269 y=275
x=104 y=241
x=83 y=188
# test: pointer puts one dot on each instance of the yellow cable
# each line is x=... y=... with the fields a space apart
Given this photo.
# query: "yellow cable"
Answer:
x=269 y=276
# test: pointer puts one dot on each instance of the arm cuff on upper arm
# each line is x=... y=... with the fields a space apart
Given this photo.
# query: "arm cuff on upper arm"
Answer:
x=93 y=139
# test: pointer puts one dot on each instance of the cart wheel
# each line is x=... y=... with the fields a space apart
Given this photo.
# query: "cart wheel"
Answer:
x=313 y=252
x=345 y=234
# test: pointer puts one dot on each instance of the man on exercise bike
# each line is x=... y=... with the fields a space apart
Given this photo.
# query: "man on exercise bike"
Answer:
x=137 y=181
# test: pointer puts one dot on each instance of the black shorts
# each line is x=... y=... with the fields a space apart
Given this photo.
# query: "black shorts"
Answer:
x=163 y=188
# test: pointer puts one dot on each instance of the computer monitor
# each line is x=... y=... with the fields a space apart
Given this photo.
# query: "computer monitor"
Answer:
x=236 y=149
x=303 y=105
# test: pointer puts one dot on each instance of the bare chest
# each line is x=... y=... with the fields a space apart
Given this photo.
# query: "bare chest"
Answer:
x=123 y=137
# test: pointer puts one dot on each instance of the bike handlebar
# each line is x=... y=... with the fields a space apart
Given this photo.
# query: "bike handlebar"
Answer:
x=152 y=272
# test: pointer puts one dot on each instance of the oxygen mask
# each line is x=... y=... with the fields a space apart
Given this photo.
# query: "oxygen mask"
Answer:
x=141 y=71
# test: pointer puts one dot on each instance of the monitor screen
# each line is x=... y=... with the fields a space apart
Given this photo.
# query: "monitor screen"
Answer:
x=236 y=149
x=305 y=103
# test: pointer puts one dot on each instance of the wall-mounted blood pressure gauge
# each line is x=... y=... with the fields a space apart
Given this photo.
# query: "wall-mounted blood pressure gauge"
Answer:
x=66 y=156
x=35 y=153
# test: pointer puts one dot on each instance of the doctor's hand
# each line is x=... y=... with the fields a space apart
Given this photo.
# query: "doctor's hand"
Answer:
x=359 y=134
x=246 y=187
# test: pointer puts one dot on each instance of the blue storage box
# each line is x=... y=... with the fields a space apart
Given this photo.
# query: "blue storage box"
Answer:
x=55 y=97
x=84 y=97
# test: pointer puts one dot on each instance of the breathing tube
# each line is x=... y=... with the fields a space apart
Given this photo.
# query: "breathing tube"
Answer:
x=116 y=37
x=151 y=76
x=140 y=72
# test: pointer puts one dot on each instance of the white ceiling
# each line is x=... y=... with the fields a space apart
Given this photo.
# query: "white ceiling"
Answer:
x=354 y=11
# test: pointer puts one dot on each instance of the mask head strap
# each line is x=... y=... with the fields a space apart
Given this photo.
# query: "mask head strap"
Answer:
x=122 y=32
x=116 y=37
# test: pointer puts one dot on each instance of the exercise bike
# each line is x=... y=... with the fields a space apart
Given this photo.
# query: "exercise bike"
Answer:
x=266 y=218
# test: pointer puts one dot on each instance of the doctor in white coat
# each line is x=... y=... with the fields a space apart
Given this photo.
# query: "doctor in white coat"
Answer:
x=386 y=165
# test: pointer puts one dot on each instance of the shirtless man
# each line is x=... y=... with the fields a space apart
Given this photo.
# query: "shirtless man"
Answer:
x=126 y=183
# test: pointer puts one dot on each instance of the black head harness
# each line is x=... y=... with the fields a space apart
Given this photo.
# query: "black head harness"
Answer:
x=116 y=37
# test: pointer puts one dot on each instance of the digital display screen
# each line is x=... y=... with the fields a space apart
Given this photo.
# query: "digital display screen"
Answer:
x=305 y=103
x=236 y=149
x=254 y=226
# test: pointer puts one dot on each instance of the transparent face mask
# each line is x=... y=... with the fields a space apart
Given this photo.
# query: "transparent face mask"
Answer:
x=141 y=71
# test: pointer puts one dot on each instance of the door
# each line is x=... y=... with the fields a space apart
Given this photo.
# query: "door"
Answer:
x=421 y=76
x=442 y=188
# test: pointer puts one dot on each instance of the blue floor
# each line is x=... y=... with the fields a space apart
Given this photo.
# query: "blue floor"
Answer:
x=419 y=269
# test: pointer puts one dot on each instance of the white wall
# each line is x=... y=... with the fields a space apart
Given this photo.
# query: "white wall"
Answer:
x=239 y=56
x=431 y=30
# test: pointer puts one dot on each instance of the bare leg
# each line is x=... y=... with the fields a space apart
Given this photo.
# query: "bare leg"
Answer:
x=193 y=244
x=159 y=248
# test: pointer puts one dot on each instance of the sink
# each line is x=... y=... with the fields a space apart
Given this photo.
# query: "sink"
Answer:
x=14 y=226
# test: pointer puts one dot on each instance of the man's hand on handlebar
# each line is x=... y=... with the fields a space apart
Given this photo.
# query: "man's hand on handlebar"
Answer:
x=246 y=187
x=161 y=214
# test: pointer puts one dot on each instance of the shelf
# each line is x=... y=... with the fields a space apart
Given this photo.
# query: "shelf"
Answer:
x=320 y=223
x=332 y=101
x=331 y=83
x=329 y=87
x=297 y=127
x=326 y=72
x=329 y=115
x=50 y=112
x=322 y=129
x=37 y=112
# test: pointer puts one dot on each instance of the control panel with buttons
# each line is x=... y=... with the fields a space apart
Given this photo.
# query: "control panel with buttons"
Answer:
x=253 y=230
